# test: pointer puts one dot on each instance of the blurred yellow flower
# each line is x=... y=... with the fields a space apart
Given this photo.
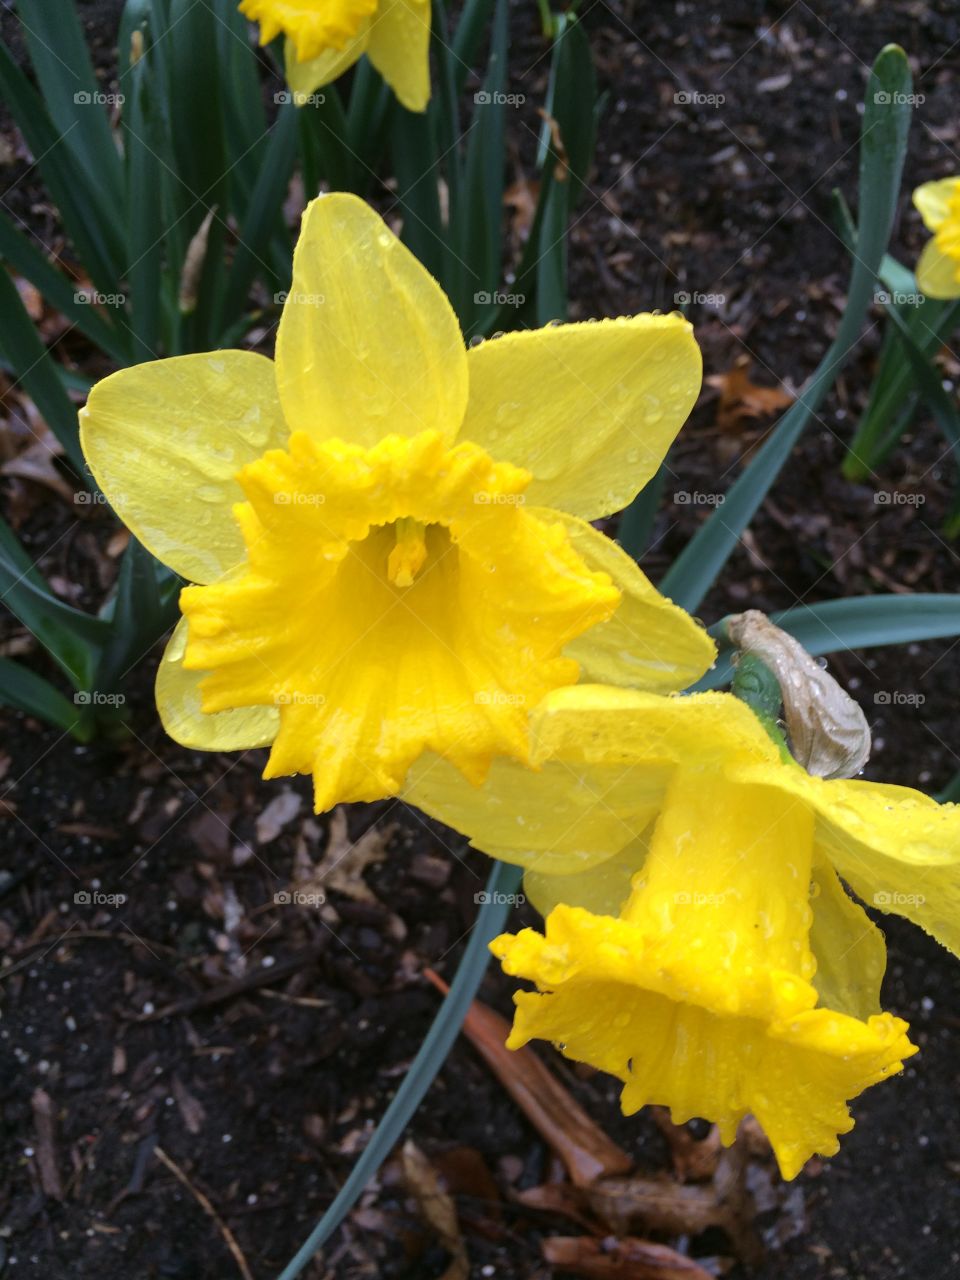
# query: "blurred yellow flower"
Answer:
x=326 y=37
x=938 y=268
x=389 y=531
x=699 y=942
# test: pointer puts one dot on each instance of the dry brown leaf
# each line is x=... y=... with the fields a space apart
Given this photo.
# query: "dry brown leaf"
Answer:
x=344 y=861
x=694 y=1160
x=627 y=1259
x=437 y=1208
x=584 y=1148
x=740 y=398
x=191 y=1111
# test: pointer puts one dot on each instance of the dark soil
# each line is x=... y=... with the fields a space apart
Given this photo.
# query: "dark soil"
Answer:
x=263 y=1095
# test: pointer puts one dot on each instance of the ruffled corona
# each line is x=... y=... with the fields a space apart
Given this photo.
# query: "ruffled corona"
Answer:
x=313 y=26
x=604 y=997
x=326 y=37
x=389 y=532
x=938 y=269
x=394 y=599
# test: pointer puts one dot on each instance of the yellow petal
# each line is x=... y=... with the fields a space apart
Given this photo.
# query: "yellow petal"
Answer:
x=602 y=889
x=178 y=701
x=897 y=849
x=938 y=273
x=932 y=200
x=305 y=78
x=848 y=947
x=600 y=1000
x=600 y=724
x=723 y=897
x=399 y=49
x=559 y=820
x=165 y=440
x=589 y=409
x=649 y=643
x=311 y=28
x=373 y=659
x=368 y=344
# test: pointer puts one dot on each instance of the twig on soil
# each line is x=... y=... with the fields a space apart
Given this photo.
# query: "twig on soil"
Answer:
x=227 y=990
x=229 y=1238
x=43 y=1115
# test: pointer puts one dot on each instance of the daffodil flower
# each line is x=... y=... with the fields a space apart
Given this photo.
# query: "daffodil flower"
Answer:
x=699 y=943
x=938 y=268
x=324 y=38
x=388 y=532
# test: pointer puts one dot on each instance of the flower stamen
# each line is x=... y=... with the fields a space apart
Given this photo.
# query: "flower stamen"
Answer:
x=409 y=553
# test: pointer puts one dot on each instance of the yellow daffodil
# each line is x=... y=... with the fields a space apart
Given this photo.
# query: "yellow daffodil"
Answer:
x=699 y=942
x=326 y=37
x=938 y=268
x=389 y=531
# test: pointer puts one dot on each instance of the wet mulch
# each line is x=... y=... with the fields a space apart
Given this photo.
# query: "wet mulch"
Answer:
x=169 y=989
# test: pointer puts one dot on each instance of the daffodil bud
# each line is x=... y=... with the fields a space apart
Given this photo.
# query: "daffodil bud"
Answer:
x=828 y=732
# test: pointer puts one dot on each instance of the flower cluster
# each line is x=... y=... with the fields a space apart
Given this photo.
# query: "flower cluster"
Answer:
x=396 y=586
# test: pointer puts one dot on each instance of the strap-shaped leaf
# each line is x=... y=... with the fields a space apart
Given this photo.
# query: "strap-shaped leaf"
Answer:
x=26 y=691
x=883 y=142
x=503 y=883
x=35 y=370
x=73 y=95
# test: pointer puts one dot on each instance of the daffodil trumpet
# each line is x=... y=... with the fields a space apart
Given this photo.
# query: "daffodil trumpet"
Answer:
x=324 y=38
x=938 y=268
x=699 y=943
x=387 y=533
